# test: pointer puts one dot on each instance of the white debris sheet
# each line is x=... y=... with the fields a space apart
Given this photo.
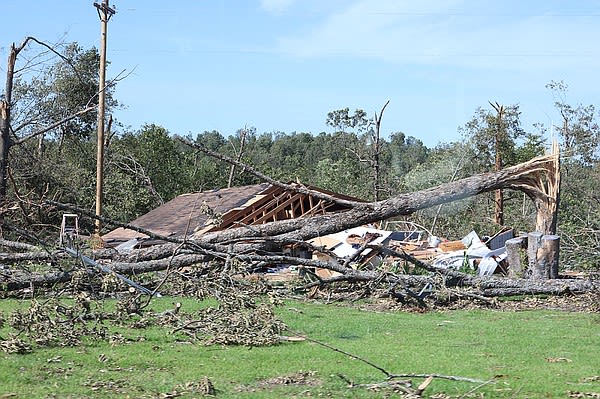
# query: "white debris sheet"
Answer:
x=476 y=256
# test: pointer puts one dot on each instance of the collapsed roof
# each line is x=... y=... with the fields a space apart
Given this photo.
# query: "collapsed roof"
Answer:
x=220 y=209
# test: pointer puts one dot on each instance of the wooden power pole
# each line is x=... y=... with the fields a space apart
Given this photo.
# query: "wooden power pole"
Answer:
x=104 y=12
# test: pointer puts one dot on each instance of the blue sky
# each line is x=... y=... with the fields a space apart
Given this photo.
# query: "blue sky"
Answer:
x=282 y=65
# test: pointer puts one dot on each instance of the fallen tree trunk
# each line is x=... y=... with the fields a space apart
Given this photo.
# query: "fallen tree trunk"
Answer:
x=13 y=280
x=253 y=244
x=494 y=287
x=18 y=246
x=528 y=177
x=524 y=177
x=12 y=258
x=10 y=281
x=474 y=285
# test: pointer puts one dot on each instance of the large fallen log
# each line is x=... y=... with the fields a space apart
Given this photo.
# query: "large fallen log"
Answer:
x=406 y=284
x=13 y=279
x=12 y=258
x=18 y=245
x=256 y=244
x=529 y=177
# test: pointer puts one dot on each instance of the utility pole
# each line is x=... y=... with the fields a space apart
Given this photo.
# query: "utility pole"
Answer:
x=104 y=12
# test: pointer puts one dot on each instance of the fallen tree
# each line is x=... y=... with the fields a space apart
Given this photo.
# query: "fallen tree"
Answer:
x=257 y=245
x=532 y=178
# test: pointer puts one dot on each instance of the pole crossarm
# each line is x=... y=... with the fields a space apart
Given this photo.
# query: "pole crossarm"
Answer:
x=105 y=9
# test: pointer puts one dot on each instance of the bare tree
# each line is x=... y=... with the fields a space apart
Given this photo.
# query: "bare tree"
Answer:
x=499 y=198
x=7 y=131
x=376 y=152
x=243 y=133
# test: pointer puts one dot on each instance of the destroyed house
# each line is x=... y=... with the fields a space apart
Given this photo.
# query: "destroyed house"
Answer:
x=220 y=209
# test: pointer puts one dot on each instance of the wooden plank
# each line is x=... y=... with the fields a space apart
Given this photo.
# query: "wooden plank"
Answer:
x=450 y=246
x=326 y=241
x=262 y=211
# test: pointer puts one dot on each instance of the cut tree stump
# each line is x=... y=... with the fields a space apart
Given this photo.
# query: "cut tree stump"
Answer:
x=542 y=253
x=534 y=243
x=514 y=247
x=548 y=255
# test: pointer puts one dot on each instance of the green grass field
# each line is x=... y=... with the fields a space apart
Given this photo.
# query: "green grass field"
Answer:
x=528 y=354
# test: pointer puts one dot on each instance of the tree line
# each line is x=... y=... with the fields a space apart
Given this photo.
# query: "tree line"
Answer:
x=149 y=165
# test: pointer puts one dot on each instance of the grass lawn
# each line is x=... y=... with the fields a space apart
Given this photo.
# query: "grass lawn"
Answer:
x=527 y=354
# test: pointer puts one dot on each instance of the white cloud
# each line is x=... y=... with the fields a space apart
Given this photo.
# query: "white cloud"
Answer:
x=453 y=33
x=276 y=6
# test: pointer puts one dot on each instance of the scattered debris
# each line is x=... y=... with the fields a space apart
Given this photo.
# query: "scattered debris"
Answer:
x=584 y=395
x=558 y=360
x=473 y=255
x=203 y=387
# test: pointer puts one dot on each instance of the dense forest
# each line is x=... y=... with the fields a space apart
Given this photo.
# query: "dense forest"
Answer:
x=47 y=153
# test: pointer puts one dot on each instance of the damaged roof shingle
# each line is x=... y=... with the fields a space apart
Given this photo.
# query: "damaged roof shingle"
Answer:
x=183 y=215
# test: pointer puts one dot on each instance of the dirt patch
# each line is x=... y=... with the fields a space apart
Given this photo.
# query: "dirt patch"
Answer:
x=302 y=378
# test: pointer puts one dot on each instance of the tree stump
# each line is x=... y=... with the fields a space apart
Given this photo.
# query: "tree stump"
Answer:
x=543 y=252
x=534 y=243
x=513 y=256
x=548 y=256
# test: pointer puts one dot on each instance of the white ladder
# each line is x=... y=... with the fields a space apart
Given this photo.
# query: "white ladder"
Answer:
x=69 y=228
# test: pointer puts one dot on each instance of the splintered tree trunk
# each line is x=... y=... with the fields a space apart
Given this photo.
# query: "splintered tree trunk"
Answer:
x=5 y=105
x=548 y=199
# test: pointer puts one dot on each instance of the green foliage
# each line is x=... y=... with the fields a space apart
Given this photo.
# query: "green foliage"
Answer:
x=496 y=133
x=341 y=120
x=59 y=163
x=207 y=172
x=339 y=176
x=403 y=154
x=64 y=86
x=579 y=216
x=145 y=169
x=579 y=212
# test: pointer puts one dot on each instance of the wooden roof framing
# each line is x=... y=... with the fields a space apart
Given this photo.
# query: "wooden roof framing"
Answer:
x=275 y=204
x=236 y=206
